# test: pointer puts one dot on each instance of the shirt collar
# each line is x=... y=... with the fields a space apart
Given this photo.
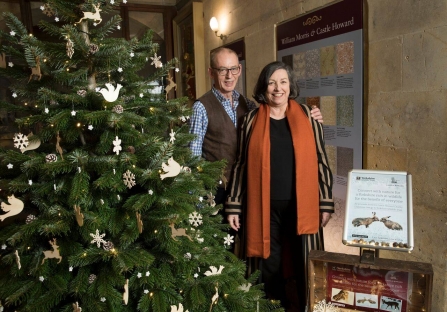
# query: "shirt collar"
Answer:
x=221 y=98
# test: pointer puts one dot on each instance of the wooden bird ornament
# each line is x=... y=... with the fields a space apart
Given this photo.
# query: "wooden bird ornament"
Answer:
x=14 y=207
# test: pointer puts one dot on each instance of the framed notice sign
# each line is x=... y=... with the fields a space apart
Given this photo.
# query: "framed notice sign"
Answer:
x=379 y=210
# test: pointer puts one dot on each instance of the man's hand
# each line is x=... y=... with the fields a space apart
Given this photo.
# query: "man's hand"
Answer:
x=316 y=114
x=325 y=217
x=233 y=220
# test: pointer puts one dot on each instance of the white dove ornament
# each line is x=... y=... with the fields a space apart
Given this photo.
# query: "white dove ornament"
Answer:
x=214 y=271
x=111 y=93
x=179 y=309
x=14 y=207
x=32 y=145
x=171 y=169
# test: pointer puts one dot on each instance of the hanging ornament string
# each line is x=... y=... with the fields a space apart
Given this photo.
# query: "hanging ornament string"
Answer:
x=108 y=69
x=73 y=112
x=120 y=70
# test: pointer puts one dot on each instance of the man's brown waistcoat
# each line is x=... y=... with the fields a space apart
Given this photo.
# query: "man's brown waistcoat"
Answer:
x=220 y=140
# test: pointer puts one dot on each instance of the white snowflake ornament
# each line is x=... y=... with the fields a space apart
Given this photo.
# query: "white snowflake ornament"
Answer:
x=228 y=240
x=148 y=273
x=117 y=145
x=46 y=110
x=70 y=269
x=41 y=278
x=11 y=64
x=97 y=238
x=132 y=54
x=20 y=141
x=120 y=69
x=10 y=166
x=103 y=299
x=156 y=61
x=118 y=27
x=150 y=192
x=172 y=135
x=139 y=275
x=73 y=113
x=146 y=291
x=56 y=19
x=129 y=179
x=177 y=69
x=30 y=182
x=195 y=219
x=3 y=246
x=90 y=127
x=12 y=33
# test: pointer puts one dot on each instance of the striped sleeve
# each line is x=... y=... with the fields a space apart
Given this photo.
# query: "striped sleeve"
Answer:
x=238 y=184
x=325 y=179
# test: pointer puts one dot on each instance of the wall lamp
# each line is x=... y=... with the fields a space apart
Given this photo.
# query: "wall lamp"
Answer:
x=215 y=27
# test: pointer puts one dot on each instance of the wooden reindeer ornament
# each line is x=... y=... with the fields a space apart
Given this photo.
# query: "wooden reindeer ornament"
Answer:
x=178 y=232
x=126 y=292
x=52 y=253
x=79 y=215
x=58 y=146
x=171 y=85
x=139 y=222
x=214 y=299
x=93 y=16
x=19 y=265
x=35 y=71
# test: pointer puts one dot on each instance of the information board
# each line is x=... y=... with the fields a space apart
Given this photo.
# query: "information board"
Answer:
x=325 y=50
x=379 y=210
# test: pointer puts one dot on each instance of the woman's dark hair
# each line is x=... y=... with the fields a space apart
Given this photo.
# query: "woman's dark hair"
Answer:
x=263 y=81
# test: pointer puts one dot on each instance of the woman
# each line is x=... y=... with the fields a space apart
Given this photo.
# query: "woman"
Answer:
x=282 y=172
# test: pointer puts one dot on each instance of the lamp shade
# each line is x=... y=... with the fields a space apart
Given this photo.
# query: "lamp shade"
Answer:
x=214 y=24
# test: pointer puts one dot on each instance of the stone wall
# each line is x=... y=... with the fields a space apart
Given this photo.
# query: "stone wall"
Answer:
x=405 y=122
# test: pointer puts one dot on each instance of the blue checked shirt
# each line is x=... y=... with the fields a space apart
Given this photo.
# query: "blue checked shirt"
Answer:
x=199 y=118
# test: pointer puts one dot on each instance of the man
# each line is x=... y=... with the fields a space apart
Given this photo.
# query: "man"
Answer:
x=217 y=113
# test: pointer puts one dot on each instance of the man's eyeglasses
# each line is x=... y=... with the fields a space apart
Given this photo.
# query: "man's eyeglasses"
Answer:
x=224 y=71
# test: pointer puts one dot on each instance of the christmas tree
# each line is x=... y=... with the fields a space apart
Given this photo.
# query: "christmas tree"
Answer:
x=119 y=215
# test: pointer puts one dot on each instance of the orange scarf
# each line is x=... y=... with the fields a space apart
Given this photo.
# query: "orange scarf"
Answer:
x=258 y=178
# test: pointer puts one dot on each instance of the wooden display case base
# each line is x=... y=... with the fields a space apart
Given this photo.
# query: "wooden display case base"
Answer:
x=348 y=284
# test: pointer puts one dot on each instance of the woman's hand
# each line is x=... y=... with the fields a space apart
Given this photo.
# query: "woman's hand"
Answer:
x=316 y=114
x=325 y=217
x=233 y=220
